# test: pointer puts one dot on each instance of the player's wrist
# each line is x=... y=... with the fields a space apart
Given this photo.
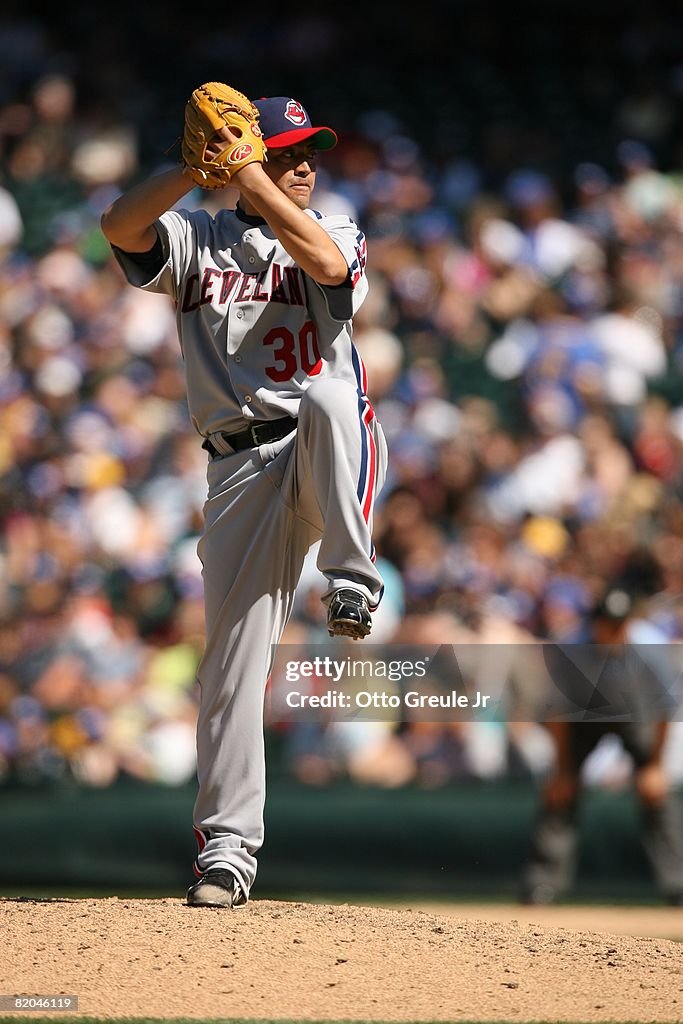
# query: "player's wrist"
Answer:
x=248 y=175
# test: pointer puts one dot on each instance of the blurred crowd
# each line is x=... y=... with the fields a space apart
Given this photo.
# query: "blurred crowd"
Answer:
x=523 y=338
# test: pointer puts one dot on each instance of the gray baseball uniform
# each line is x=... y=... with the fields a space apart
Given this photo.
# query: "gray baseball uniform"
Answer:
x=261 y=340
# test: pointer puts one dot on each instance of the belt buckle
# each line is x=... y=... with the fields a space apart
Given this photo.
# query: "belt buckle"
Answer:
x=254 y=431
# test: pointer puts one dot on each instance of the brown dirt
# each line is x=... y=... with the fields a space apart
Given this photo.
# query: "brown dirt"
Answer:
x=302 y=961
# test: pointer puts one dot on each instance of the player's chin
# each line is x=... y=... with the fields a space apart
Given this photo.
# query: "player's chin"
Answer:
x=300 y=195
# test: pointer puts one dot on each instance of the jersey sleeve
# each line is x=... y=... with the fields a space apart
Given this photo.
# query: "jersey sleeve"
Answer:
x=343 y=300
x=175 y=231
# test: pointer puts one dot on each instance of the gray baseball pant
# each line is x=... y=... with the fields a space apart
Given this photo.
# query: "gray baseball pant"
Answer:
x=265 y=508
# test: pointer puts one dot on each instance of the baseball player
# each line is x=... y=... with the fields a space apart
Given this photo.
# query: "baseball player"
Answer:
x=551 y=861
x=265 y=295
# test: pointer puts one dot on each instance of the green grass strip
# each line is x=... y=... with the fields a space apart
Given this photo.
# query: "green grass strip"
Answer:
x=28 y=1015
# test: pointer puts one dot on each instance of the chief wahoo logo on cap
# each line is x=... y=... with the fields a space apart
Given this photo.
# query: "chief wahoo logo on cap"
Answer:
x=295 y=113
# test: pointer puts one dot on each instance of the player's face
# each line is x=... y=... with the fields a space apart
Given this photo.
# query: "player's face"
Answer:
x=293 y=171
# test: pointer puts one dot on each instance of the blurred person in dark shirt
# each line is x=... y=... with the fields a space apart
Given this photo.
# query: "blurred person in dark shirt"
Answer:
x=620 y=620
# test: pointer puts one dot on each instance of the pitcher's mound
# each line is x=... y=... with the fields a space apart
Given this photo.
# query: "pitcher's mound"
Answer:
x=297 y=961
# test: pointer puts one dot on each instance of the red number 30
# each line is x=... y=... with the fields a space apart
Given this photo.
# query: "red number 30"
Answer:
x=291 y=353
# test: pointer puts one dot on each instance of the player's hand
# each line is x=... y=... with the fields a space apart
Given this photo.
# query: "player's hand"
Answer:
x=227 y=137
x=652 y=784
x=561 y=791
x=223 y=138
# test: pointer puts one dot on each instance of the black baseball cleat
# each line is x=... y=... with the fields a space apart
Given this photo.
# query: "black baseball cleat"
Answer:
x=218 y=887
x=348 y=615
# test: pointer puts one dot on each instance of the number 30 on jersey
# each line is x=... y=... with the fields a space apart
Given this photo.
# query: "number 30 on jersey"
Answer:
x=293 y=352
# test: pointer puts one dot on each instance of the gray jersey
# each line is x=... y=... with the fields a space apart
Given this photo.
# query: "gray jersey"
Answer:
x=254 y=329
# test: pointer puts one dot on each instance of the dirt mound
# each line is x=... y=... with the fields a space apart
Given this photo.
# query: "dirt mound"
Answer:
x=158 y=958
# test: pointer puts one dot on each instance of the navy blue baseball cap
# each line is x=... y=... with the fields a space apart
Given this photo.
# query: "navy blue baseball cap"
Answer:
x=284 y=122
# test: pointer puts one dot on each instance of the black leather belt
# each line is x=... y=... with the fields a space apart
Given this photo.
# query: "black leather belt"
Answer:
x=258 y=433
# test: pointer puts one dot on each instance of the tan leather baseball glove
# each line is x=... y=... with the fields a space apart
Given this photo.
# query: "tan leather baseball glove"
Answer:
x=211 y=107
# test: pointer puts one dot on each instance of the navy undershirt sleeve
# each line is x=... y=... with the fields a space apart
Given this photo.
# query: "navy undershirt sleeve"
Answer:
x=150 y=262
